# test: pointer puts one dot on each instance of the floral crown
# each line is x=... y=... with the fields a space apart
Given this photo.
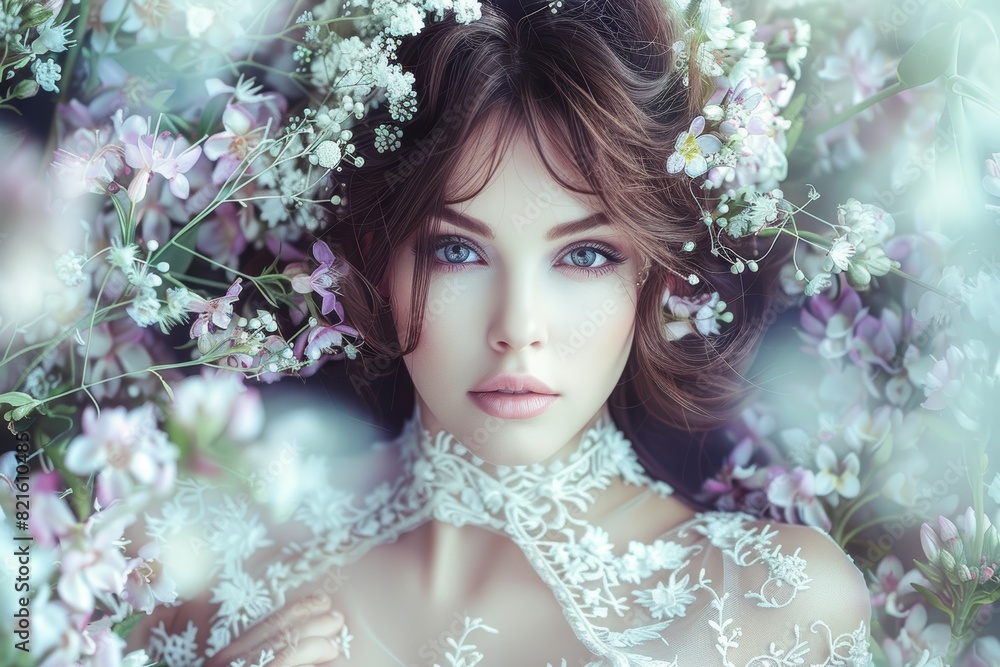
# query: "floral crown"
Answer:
x=284 y=169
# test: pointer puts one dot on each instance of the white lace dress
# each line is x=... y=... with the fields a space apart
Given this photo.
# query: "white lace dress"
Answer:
x=719 y=589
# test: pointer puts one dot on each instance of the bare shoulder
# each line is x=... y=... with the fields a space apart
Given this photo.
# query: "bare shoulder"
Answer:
x=801 y=591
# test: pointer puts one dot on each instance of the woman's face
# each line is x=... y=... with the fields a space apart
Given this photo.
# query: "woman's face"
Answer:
x=524 y=282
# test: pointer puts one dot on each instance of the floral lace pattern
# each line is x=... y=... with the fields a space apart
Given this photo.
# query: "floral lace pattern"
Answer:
x=651 y=604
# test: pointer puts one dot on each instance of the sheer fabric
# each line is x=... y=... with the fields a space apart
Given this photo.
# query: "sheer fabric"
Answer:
x=721 y=588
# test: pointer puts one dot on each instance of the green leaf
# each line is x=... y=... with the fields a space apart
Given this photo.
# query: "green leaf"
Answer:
x=125 y=627
x=794 y=108
x=793 y=134
x=159 y=100
x=178 y=254
x=962 y=86
x=15 y=399
x=929 y=56
x=933 y=598
x=928 y=572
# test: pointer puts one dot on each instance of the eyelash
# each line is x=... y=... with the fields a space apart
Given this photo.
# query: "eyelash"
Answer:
x=613 y=256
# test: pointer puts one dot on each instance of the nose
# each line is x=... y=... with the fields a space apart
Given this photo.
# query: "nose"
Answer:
x=520 y=317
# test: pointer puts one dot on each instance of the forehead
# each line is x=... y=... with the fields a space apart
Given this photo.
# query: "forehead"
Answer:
x=520 y=187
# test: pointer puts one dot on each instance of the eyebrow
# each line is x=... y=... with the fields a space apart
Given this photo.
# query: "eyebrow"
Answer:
x=561 y=230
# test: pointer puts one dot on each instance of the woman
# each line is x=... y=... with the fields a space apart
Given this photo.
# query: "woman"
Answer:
x=523 y=238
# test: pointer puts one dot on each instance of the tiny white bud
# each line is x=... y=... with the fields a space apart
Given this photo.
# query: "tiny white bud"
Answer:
x=255 y=323
x=723 y=208
x=693 y=279
x=335 y=200
x=799 y=275
x=752 y=265
x=242 y=322
x=163 y=267
x=689 y=246
x=154 y=280
x=152 y=245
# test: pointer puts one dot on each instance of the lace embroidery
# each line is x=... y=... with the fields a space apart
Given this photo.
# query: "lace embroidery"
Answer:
x=542 y=509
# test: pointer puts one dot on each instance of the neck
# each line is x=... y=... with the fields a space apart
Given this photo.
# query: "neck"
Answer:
x=461 y=559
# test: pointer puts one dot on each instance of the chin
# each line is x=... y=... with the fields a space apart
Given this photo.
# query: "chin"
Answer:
x=519 y=441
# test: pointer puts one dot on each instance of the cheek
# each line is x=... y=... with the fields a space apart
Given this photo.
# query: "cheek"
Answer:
x=595 y=330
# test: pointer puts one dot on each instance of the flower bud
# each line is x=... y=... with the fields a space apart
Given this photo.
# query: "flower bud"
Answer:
x=986 y=574
x=949 y=533
x=947 y=561
x=930 y=542
x=25 y=89
x=991 y=542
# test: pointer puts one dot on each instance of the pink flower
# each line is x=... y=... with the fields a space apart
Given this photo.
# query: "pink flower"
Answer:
x=91 y=563
x=147 y=585
x=794 y=491
x=944 y=381
x=324 y=280
x=216 y=404
x=214 y=313
x=126 y=450
x=893 y=590
x=155 y=155
x=231 y=146
x=867 y=67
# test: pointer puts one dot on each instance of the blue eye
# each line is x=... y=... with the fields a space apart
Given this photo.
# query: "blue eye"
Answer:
x=591 y=258
x=586 y=258
x=453 y=251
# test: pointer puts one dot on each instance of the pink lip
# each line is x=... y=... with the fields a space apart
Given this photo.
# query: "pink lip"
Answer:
x=511 y=382
x=512 y=406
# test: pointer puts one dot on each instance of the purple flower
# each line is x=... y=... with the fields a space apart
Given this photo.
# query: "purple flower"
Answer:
x=324 y=280
x=874 y=340
x=323 y=339
x=829 y=325
x=214 y=313
x=794 y=491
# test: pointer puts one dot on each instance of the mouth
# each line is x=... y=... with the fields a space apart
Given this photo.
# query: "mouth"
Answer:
x=509 y=404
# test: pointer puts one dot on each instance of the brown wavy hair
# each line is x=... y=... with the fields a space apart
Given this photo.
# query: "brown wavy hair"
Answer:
x=596 y=80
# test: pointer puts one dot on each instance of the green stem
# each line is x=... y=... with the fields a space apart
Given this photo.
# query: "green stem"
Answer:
x=868 y=524
x=854 y=507
x=71 y=56
x=894 y=89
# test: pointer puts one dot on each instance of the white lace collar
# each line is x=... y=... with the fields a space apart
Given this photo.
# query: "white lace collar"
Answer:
x=461 y=488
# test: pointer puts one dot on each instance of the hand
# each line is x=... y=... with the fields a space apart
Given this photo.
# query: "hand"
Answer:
x=304 y=635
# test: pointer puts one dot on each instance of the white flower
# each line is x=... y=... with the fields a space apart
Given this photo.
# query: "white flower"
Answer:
x=69 y=268
x=467 y=11
x=834 y=475
x=328 y=154
x=145 y=308
x=51 y=38
x=667 y=601
x=991 y=181
x=818 y=284
x=691 y=149
x=47 y=74
x=407 y=20
x=840 y=253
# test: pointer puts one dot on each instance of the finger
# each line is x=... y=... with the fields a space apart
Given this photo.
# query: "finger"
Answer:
x=309 y=651
x=322 y=625
x=280 y=629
